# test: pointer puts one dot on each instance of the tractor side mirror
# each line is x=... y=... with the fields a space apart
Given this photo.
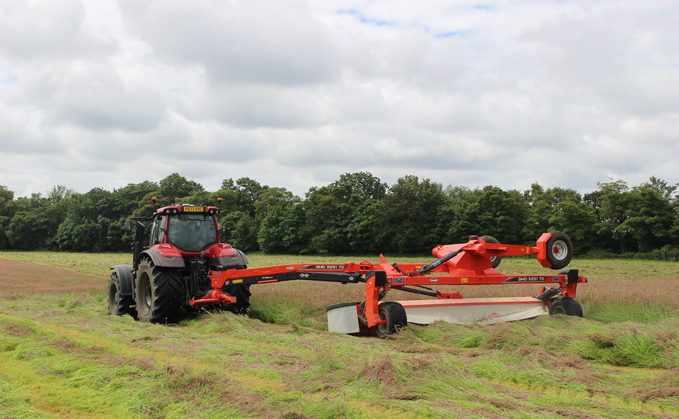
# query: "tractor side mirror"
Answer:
x=128 y=227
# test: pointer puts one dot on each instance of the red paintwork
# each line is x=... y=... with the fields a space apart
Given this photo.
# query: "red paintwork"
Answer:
x=470 y=267
x=215 y=251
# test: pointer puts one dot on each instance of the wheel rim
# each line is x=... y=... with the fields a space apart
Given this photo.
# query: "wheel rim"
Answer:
x=145 y=291
x=559 y=310
x=384 y=327
x=559 y=250
x=113 y=297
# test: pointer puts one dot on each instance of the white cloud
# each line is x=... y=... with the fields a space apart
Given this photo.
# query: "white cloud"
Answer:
x=295 y=93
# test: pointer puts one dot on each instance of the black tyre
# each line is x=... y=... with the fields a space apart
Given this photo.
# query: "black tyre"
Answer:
x=242 y=294
x=495 y=260
x=159 y=293
x=119 y=304
x=559 y=250
x=565 y=306
x=396 y=318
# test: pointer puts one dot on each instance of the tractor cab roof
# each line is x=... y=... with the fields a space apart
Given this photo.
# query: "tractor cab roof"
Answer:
x=188 y=209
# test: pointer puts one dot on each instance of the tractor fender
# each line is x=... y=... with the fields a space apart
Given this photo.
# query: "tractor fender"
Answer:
x=124 y=273
x=239 y=260
x=167 y=262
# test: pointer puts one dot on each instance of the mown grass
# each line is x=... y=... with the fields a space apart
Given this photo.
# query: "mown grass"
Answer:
x=62 y=356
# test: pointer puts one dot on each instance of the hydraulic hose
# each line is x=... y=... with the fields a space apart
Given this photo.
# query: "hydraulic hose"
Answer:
x=444 y=259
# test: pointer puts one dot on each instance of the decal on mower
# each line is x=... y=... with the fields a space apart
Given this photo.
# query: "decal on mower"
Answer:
x=323 y=267
x=526 y=279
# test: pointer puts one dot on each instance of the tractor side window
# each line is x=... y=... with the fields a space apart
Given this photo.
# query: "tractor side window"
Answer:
x=158 y=230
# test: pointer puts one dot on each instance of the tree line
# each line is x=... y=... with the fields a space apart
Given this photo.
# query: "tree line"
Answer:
x=358 y=214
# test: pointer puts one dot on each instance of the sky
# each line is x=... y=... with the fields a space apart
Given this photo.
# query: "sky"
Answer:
x=294 y=93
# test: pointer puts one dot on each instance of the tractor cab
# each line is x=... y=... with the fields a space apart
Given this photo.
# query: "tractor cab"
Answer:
x=190 y=228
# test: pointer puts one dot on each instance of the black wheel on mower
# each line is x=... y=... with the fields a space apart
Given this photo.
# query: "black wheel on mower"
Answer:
x=159 y=293
x=559 y=250
x=396 y=318
x=119 y=304
x=242 y=294
x=495 y=260
x=565 y=306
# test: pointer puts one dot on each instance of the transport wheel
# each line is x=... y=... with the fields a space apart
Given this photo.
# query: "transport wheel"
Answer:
x=565 y=306
x=559 y=250
x=495 y=260
x=159 y=293
x=242 y=294
x=119 y=304
x=396 y=318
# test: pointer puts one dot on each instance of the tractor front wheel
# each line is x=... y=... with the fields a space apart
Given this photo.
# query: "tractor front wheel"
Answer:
x=119 y=304
x=565 y=306
x=396 y=318
x=242 y=294
x=159 y=293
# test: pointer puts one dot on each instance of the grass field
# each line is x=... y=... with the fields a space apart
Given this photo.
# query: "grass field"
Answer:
x=62 y=356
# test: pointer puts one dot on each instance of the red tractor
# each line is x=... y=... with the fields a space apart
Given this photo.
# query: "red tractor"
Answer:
x=173 y=251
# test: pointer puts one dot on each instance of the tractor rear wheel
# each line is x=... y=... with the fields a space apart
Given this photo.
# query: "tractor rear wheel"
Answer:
x=565 y=306
x=242 y=294
x=119 y=304
x=159 y=293
x=495 y=260
x=559 y=250
x=396 y=318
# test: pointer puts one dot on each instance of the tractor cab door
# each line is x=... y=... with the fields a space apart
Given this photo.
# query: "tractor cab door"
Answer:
x=157 y=235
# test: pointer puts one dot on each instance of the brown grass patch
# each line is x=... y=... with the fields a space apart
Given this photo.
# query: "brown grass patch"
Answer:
x=663 y=386
x=17 y=330
x=380 y=371
x=19 y=277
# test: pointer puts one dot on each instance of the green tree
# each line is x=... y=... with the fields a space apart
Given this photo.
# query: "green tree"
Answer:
x=175 y=187
x=577 y=220
x=128 y=198
x=649 y=214
x=498 y=213
x=407 y=219
x=322 y=214
x=7 y=210
x=543 y=205
x=614 y=200
x=29 y=230
x=240 y=230
x=454 y=224
x=93 y=224
x=281 y=222
x=31 y=226
x=36 y=220
x=359 y=197
x=247 y=193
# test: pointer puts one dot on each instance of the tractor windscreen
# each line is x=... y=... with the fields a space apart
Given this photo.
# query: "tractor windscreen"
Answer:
x=192 y=232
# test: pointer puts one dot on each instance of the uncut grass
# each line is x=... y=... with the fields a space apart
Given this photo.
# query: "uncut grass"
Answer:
x=295 y=369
